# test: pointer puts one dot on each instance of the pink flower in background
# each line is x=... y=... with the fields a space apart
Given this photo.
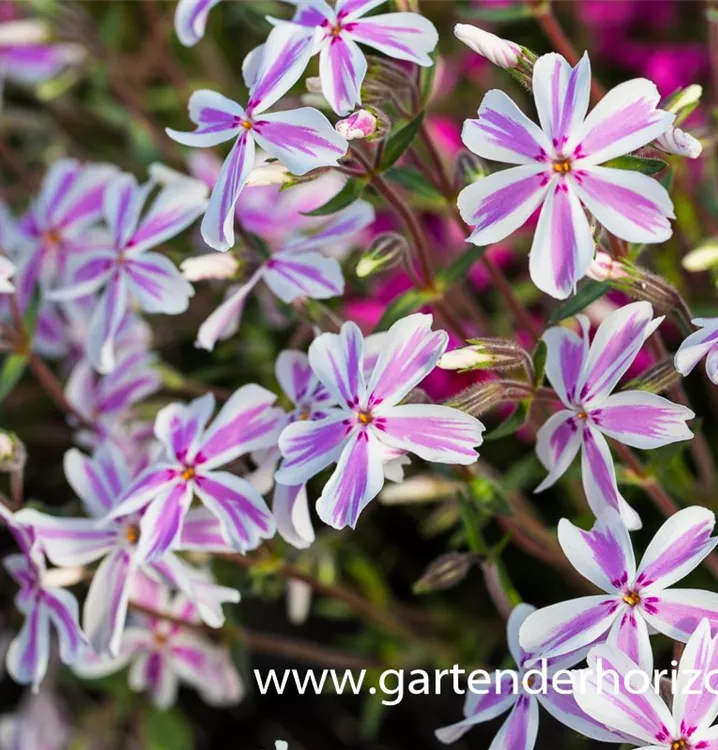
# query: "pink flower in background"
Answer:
x=558 y=169
x=583 y=379
x=302 y=139
x=191 y=20
x=702 y=343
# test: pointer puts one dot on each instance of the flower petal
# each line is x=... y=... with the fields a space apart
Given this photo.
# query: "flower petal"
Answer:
x=123 y=201
x=679 y=546
x=624 y=120
x=567 y=626
x=557 y=443
x=697 y=345
x=499 y=204
x=218 y=119
x=302 y=139
x=342 y=67
x=63 y=611
x=642 y=420
x=357 y=479
x=629 y=204
x=161 y=523
x=615 y=345
x=241 y=510
x=504 y=133
x=247 y=422
x=563 y=245
x=218 y=222
x=309 y=447
x=403 y=36
x=435 y=433
x=202 y=532
x=561 y=94
x=337 y=360
x=291 y=513
x=29 y=652
x=156 y=284
x=603 y=555
x=293 y=275
x=98 y=481
x=599 y=479
x=565 y=357
x=179 y=427
x=629 y=635
x=294 y=374
x=520 y=730
x=191 y=20
x=678 y=612
x=105 y=325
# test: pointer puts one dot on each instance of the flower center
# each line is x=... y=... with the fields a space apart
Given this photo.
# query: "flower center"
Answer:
x=336 y=30
x=160 y=639
x=305 y=413
x=246 y=124
x=679 y=745
x=132 y=533
x=365 y=417
x=52 y=237
x=632 y=599
x=582 y=415
x=188 y=473
x=563 y=166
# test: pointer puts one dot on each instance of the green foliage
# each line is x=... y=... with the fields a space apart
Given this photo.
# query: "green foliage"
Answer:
x=399 y=141
x=590 y=292
x=345 y=197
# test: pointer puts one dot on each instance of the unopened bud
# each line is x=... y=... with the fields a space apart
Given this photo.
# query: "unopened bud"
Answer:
x=386 y=251
x=469 y=169
x=702 y=258
x=314 y=85
x=392 y=74
x=656 y=379
x=209 y=266
x=271 y=173
x=683 y=102
x=445 y=572
x=360 y=124
x=606 y=268
x=637 y=282
x=479 y=398
x=677 y=141
x=500 y=52
x=12 y=452
x=424 y=488
x=485 y=354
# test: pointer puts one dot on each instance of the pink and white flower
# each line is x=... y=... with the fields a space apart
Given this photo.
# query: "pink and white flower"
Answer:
x=637 y=601
x=558 y=167
x=162 y=654
x=302 y=139
x=194 y=455
x=124 y=268
x=583 y=379
x=191 y=20
x=358 y=125
x=701 y=343
x=643 y=716
x=501 y=52
x=336 y=32
x=520 y=730
x=370 y=420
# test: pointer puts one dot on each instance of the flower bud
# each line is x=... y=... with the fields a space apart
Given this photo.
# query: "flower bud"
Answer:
x=314 y=85
x=445 y=572
x=656 y=379
x=677 y=141
x=386 y=251
x=12 y=452
x=479 y=398
x=209 y=266
x=360 y=124
x=269 y=173
x=485 y=354
x=469 y=168
x=703 y=258
x=606 y=268
x=683 y=102
x=500 y=52
x=423 y=488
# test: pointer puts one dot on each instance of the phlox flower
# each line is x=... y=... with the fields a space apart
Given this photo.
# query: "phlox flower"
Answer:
x=164 y=654
x=122 y=266
x=642 y=715
x=559 y=169
x=369 y=419
x=193 y=456
x=302 y=139
x=637 y=601
x=335 y=31
x=699 y=344
x=191 y=20
x=44 y=605
x=72 y=542
x=520 y=729
x=297 y=269
x=583 y=379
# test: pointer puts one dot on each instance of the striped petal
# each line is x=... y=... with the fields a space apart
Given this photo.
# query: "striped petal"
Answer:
x=161 y=523
x=403 y=36
x=342 y=67
x=191 y=20
x=218 y=119
x=697 y=345
x=520 y=730
x=557 y=443
x=678 y=612
x=293 y=276
x=629 y=635
x=105 y=325
x=566 y=353
x=338 y=361
x=156 y=284
x=179 y=427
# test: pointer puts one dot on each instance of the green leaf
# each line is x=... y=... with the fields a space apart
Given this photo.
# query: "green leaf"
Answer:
x=488 y=495
x=509 y=426
x=460 y=267
x=166 y=730
x=539 y=361
x=12 y=369
x=415 y=182
x=500 y=15
x=590 y=293
x=345 y=197
x=408 y=303
x=399 y=141
x=637 y=164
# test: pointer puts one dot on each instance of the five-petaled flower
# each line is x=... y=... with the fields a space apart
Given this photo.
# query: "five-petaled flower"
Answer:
x=701 y=343
x=583 y=379
x=637 y=602
x=641 y=715
x=558 y=166
x=370 y=419
x=302 y=139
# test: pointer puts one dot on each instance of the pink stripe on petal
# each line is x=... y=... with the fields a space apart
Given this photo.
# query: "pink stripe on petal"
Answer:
x=338 y=361
x=557 y=444
x=566 y=353
x=161 y=524
x=403 y=36
x=342 y=67
x=629 y=635
x=294 y=275
x=520 y=730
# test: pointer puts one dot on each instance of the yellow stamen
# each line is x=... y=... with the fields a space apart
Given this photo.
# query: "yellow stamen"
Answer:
x=246 y=124
x=52 y=237
x=160 y=639
x=188 y=473
x=304 y=415
x=562 y=167
x=365 y=417
x=678 y=745
x=582 y=415
x=632 y=599
x=132 y=534
x=336 y=30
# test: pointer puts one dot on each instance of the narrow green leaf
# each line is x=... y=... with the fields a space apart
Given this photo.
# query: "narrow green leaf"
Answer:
x=539 y=361
x=345 y=197
x=509 y=426
x=399 y=141
x=12 y=369
x=638 y=164
x=460 y=267
x=572 y=306
x=408 y=303
x=415 y=182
